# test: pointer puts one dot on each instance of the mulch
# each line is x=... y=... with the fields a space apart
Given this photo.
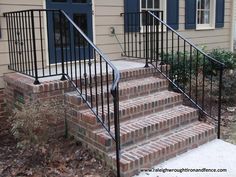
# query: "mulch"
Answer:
x=59 y=158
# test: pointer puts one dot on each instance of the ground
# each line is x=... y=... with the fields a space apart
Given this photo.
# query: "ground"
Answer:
x=68 y=159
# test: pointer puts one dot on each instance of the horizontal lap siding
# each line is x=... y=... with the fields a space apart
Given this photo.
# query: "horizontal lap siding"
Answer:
x=107 y=14
x=7 y=6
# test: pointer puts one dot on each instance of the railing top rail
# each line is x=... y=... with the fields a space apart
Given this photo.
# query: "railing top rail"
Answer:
x=189 y=42
x=140 y=12
x=30 y=10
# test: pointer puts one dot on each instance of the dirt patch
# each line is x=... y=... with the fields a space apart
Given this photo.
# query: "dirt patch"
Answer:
x=62 y=157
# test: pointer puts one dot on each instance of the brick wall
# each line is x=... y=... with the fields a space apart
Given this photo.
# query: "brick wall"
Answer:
x=2 y=104
x=19 y=89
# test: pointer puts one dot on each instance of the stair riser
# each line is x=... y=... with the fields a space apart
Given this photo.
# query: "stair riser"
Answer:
x=139 y=134
x=134 y=111
x=139 y=74
x=152 y=156
x=124 y=94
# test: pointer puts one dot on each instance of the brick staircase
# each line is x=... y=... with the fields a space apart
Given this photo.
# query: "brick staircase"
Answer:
x=155 y=125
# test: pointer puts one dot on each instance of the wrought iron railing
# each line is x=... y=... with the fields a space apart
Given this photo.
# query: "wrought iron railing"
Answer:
x=46 y=43
x=188 y=68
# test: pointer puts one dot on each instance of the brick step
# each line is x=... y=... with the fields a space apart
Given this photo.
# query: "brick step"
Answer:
x=127 y=90
x=145 y=127
x=138 y=73
x=133 y=108
x=125 y=75
x=154 y=151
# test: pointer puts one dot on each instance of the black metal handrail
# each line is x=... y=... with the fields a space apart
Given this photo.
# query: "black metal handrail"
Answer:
x=71 y=55
x=188 y=68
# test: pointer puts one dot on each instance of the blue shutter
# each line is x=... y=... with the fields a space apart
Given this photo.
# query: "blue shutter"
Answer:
x=134 y=20
x=190 y=14
x=220 y=13
x=173 y=13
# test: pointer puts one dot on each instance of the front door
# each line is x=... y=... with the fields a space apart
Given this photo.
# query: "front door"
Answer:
x=80 y=11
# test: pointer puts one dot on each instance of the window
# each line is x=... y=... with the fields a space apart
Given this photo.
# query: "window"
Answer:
x=205 y=14
x=151 y=5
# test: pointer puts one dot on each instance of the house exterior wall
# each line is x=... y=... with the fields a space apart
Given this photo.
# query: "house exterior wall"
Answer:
x=107 y=14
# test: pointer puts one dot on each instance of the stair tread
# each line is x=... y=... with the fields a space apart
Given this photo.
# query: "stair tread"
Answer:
x=161 y=142
x=148 y=120
x=141 y=100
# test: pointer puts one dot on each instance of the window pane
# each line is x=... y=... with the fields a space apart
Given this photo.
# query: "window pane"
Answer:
x=79 y=1
x=143 y=18
x=206 y=17
x=150 y=3
x=156 y=4
x=202 y=17
x=199 y=17
x=198 y=4
x=81 y=21
x=207 y=4
x=143 y=3
x=202 y=4
x=61 y=30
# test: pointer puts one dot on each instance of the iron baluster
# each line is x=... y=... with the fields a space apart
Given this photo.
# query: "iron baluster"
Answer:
x=147 y=42
x=219 y=100
x=41 y=41
x=34 y=49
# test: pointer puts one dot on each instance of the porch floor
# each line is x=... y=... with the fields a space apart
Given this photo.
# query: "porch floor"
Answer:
x=120 y=64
